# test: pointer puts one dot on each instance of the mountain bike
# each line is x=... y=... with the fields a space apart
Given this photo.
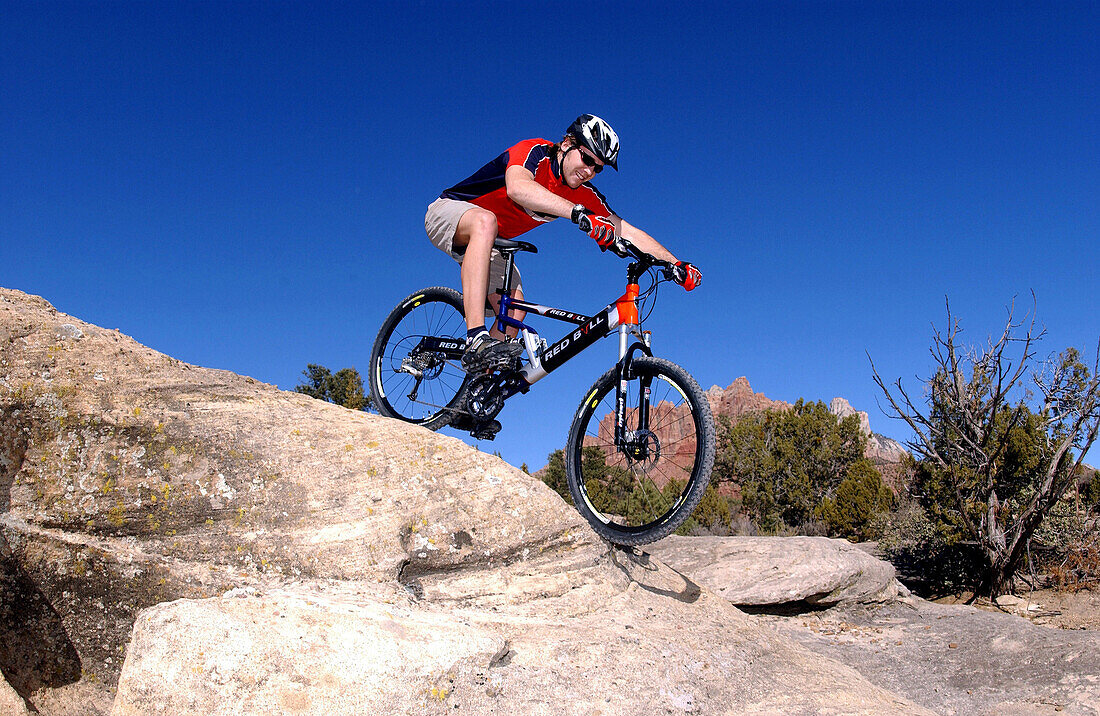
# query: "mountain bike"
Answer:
x=641 y=447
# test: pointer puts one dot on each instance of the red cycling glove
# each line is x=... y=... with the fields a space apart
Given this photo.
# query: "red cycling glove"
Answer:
x=687 y=275
x=599 y=228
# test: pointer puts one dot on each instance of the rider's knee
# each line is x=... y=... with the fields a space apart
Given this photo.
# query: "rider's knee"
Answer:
x=483 y=224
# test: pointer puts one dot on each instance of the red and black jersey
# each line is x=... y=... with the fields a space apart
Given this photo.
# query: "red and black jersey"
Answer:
x=485 y=188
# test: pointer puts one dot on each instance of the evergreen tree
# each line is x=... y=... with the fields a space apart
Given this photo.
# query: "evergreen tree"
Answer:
x=554 y=477
x=345 y=387
x=791 y=464
x=860 y=498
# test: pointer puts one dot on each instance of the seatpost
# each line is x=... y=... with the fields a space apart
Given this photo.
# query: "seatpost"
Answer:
x=510 y=257
x=506 y=287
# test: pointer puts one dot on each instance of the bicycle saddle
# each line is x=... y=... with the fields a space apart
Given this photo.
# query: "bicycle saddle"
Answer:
x=511 y=245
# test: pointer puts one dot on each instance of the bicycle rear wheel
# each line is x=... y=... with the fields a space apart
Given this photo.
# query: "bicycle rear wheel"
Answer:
x=641 y=486
x=415 y=369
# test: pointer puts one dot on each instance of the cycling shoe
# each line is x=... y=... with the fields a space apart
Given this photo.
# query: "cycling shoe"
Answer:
x=485 y=352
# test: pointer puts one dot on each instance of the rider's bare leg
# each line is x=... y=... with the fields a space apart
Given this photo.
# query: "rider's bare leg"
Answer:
x=477 y=230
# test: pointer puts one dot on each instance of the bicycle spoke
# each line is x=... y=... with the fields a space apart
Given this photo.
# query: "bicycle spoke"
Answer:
x=672 y=436
x=413 y=385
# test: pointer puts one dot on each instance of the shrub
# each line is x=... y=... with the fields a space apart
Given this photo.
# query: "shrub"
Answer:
x=1080 y=566
x=715 y=515
x=860 y=498
x=1062 y=527
x=926 y=561
x=802 y=471
x=345 y=387
x=1091 y=493
x=554 y=475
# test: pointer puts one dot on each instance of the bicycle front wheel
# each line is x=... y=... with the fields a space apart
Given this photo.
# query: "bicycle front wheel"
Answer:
x=415 y=369
x=638 y=483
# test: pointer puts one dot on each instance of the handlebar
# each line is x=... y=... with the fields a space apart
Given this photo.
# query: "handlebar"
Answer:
x=643 y=262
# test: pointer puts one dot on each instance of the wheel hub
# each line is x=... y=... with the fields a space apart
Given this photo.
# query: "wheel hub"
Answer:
x=642 y=446
x=421 y=364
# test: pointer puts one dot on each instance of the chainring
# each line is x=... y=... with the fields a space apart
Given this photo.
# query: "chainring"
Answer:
x=484 y=397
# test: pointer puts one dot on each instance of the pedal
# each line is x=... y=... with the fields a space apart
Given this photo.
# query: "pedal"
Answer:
x=486 y=431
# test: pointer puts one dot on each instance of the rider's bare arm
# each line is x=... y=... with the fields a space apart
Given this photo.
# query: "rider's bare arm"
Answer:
x=642 y=240
x=525 y=191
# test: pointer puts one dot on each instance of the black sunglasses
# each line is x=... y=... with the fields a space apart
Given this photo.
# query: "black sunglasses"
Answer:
x=589 y=161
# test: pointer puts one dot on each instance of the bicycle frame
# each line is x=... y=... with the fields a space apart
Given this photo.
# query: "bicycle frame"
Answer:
x=621 y=314
x=541 y=362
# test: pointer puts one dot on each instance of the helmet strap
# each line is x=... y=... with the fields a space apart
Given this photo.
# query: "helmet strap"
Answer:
x=561 y=159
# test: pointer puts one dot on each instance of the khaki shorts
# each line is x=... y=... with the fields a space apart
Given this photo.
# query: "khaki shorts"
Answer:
x=441 y=223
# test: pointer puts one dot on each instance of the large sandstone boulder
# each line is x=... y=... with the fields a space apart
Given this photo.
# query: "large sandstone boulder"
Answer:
x=369 y=552
x=129 y=479
x=653 y=643
x=756 y=571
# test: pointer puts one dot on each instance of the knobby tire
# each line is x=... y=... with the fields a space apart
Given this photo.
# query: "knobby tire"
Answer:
x=435 y=311
x=641 y=497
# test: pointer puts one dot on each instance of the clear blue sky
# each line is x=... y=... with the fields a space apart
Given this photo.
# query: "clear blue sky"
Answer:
x=242 y=185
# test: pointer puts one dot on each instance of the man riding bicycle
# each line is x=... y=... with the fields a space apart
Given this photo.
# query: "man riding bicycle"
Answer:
x=531 y=183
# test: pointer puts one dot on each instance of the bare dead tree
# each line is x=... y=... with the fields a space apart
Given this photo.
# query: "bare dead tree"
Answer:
x=962 y=430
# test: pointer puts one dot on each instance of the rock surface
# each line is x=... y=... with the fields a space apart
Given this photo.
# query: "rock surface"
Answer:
x=368 y=551
x=659 y=645
x=950 y=659
x=11 y=703
x=755 y=571
x=130 y=479
x=957 y=659
x=738 y=398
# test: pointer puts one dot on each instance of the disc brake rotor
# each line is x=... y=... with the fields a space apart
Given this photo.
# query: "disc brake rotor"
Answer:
x=643 y=448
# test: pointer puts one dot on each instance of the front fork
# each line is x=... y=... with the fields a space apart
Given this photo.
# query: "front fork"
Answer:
x=625 y=440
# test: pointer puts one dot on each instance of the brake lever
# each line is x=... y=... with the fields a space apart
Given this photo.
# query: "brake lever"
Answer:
x=631 y=250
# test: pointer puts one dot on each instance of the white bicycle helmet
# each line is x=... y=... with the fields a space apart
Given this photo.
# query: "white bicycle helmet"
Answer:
x=596 y=136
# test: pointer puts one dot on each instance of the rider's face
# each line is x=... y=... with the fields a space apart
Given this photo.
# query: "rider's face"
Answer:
x=575 y=170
